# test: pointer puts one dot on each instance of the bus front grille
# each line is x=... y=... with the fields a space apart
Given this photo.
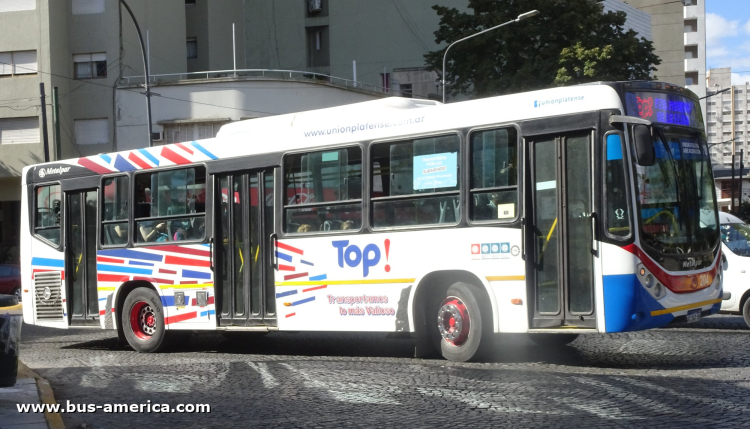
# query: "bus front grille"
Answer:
x=48 y=295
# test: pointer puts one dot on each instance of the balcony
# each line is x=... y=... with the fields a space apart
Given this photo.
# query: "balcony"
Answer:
x=693 y=64
x=693 y=38
x=691 y=12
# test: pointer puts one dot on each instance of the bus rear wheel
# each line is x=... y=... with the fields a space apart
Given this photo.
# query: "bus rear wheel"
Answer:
x=461 y=324
x=142 y=319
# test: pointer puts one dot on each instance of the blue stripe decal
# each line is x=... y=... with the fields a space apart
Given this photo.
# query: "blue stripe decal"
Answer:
x=206 y=313
x=283 y=256
x=148 y=264
x=167 y=301
x=106 y=158
x=148 y=155
x=202 y=149
x=307 y=263
x=320 y=277
x=121 y=269
x=48 y=262
x=102 y=299
x=302 y=301
x=123 y=165
x=287 y=293
x=195 y=274
x=131 y=254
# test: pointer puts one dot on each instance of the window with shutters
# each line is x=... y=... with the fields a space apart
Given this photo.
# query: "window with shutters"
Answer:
x=87 y=7
x=17 y=5
x=192 y=47
x=19 y=130
x=90 y=66
x=91 y=131
x=17 y=63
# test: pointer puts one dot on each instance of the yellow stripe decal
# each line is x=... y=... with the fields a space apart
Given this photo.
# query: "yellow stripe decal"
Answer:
x=345 y=282
x=685 y=307
x=193 y=286
x=504 y=278
x=105 y=289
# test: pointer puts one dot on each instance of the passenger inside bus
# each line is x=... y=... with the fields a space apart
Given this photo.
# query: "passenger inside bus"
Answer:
x=157 y=234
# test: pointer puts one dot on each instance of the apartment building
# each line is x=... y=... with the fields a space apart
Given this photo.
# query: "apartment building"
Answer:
x=727 y=117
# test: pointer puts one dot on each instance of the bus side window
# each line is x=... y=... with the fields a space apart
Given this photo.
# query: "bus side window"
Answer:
x=48 y=208
x=617 y=214
x=494 y=175
x=115 y=213
x=333 y=177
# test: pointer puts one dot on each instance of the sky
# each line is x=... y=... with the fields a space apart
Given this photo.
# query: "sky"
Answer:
x=728 y=37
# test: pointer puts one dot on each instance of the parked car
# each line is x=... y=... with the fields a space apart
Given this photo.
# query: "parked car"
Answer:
x=735 y=239
x=10 y=280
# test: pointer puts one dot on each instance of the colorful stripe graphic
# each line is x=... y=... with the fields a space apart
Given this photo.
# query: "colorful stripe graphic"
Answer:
x=123 y=165
x=320 y=277
x=138 y=161
x=91 y=165
x=283 y=256
x=295 y=276
x=281 y=245
x=205 y=152
x=132 y=254
x=173 y=156
x=310 y=289
x=287 y=293
x=195 y=274
x=148 y=156
x=306 y=262
x=122 y=269
x=47 y=262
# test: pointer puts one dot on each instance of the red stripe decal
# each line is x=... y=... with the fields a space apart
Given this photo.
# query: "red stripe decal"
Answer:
x=194 y=302
x=163 y=271
x=185 y=148
x=314 y=288
x=138 y=161
x=113 y=260
x=184 y=250
x=154 y=280
x=112 y=278
x=172 y=156
x=286 y=268
x=180 y=318
x=295 y=276
x=176 y=260
x=190 y=282
x=91 y=165
x=290 y=315
x=289 y=248
x=101 y=312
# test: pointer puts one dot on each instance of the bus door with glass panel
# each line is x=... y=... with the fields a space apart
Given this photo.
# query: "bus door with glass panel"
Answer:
x=560 y=230
x=244 y=223
x=80 y=257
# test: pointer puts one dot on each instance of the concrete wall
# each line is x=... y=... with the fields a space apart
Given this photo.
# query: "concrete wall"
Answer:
x=637 y=20
x=221 y=15
x=668 y=35
x=229 y=99
x=196 y=25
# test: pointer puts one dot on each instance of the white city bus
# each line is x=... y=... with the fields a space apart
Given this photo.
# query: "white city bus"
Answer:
x=571 y=210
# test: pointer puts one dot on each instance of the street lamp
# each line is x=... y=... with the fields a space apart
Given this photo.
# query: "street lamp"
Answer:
x=145 y=70
x=520 y=18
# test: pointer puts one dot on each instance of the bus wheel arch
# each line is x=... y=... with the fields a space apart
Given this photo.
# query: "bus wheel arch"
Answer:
x=144 y=297
x=428 y=299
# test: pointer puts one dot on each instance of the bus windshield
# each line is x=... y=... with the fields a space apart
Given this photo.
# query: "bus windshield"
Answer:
x=676 y=196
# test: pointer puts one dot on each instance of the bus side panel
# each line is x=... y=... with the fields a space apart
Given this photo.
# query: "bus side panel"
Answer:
x=368 y=282
x=175 y=271
x=27 y=284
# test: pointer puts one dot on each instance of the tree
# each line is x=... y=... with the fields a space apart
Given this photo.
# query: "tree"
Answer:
x=570 y=42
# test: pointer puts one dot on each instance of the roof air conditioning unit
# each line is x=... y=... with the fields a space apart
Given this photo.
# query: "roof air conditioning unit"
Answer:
x=314 y=6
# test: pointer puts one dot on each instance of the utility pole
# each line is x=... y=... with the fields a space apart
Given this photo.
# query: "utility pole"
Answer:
x=44 y=122
x=739 y=203
x=732 y=188
x=56 y=121
x=145 y=71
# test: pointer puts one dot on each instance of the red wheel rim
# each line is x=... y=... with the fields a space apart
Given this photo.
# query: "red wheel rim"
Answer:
x=143 y=320
x=454 y=322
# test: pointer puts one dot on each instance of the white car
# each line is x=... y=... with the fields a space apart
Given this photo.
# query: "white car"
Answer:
x=735 y=239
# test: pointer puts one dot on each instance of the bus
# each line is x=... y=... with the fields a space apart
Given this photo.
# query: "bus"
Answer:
x=559 y=212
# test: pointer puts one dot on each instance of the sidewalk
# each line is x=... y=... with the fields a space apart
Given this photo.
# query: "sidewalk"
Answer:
x=30 y=388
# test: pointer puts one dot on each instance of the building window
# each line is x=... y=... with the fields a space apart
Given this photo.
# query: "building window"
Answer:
x=87 y=7
x=91 y=131
x=690 y=2
x=406 y=90
x=324 y=191
x=691 y=78
x=189 y=2
x=18 y=63
x=318 y=54
x=192 y=47
x=90 y=66
x=17 y=5
x=691 y=52
x=691 y=25
x=178 y=133
x=19 y=130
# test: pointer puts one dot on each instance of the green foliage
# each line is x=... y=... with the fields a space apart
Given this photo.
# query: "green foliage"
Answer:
x=569 y=42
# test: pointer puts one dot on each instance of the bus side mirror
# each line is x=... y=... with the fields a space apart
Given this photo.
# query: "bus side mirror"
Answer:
x=644 y=145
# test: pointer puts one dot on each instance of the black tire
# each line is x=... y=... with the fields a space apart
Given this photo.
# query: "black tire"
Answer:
x=460 y=341
x=746 y=312
x=553 y=340
x=142 y=319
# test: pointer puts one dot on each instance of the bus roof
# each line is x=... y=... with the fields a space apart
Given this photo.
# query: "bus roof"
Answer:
x=372 y=120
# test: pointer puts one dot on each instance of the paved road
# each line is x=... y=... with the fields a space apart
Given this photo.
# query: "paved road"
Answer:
x=693 y=376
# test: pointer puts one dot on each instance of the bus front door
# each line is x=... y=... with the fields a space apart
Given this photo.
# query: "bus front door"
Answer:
x=243 y=214
x=80 y=257
x=560 y=238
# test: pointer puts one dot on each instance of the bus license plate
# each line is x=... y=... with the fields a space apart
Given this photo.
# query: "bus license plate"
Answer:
x=694 y=315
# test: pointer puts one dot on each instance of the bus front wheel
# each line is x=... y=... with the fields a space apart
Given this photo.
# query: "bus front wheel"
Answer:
x=142 y=320
x=462 y=324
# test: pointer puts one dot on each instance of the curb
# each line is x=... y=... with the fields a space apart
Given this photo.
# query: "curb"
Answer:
x=46 y=396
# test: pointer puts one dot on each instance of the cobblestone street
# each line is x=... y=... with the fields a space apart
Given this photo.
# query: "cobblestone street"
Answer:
x=690 y=376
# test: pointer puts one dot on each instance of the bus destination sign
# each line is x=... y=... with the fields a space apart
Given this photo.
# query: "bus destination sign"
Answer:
x=664 y=108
